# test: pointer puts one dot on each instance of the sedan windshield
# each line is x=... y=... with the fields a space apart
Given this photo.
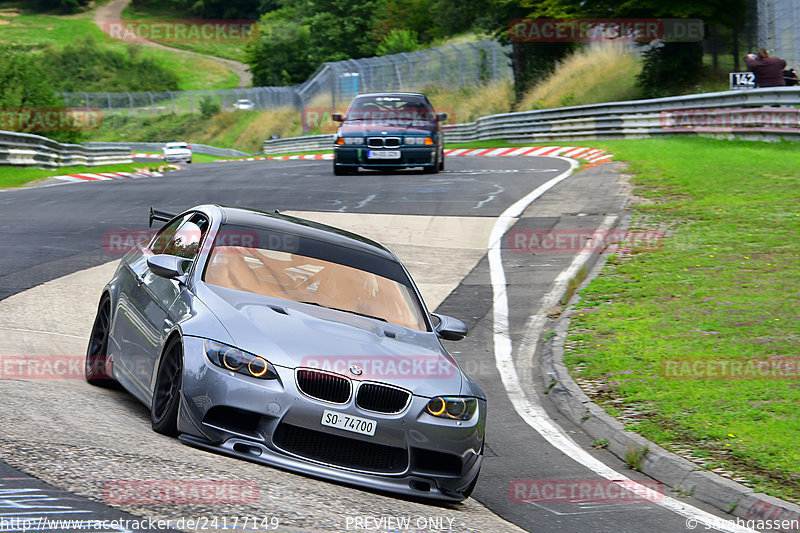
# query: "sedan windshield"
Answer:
x=389 y=110
x=319 y=273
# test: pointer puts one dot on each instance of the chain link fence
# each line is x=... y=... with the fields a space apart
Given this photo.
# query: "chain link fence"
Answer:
x=779 y=29
x=333 y=84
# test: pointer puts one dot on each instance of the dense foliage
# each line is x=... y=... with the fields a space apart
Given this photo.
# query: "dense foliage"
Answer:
x=85 y=65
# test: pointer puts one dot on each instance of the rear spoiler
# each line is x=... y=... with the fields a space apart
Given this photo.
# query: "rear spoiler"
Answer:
x=163 y=216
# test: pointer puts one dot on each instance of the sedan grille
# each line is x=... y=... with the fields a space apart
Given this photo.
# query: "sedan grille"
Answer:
x=323 y=386
x=340 y=451
x=383 y=142
x=382 y=399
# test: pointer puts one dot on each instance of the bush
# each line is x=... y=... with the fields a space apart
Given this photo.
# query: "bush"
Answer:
x=85 y=65
x=398 y=41
x=208 y=107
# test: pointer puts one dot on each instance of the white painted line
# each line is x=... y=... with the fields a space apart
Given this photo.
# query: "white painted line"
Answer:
x=530 y=410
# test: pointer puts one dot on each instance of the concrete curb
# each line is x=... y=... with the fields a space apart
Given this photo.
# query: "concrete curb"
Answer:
x=681 y=475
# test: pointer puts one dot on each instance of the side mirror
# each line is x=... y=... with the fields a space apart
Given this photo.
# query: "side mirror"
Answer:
x=451 y=329
x=169 y=266
x=337 y=117
x=441 y=117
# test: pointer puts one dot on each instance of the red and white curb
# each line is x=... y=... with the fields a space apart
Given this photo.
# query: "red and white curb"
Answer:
x=104 y=176
x=590 y=155
x=149 y=156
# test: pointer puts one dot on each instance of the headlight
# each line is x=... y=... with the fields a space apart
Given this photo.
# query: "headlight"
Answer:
x=452 y=407
x=349 y=140
x=418 y=140
x=236 y=360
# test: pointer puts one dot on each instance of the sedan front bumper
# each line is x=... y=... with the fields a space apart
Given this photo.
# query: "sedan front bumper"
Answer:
x=419 y=156
x=274 y=423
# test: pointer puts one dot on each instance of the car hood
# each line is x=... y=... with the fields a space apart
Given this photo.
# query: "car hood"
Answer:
x=372 y=127
x=292 y=335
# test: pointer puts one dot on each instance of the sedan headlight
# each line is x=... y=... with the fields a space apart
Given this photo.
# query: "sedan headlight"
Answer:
x=236 y=360
x=452 y=407
x=419 y=140
x=349 y=140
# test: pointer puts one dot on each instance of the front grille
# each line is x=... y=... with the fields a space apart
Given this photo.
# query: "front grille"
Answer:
x=340 y=451
x=383 y=142
x=323 y=386
x=382 y=399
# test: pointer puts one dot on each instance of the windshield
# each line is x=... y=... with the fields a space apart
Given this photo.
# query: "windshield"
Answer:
x=313 y=272
x=391 y=110
x=175 y=145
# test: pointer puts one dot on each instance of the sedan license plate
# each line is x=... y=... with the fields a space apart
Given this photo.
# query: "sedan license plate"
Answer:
x=356 y=424
x=383 y=154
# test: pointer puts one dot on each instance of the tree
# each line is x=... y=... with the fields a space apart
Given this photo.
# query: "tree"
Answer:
x=25 y=85
x=669 y=66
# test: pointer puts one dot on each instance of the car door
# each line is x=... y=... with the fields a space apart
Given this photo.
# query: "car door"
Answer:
x=148 y=304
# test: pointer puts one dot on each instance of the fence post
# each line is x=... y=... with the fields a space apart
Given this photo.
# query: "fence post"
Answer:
x=442 y=73
x=130 y=102
x=460 y=66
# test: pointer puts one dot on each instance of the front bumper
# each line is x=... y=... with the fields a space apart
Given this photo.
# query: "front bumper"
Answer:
x=273 y=423
x=417 y=156
x=177 y=158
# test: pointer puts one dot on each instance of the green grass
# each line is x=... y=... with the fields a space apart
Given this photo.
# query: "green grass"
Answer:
x=233 y=49
x=724 y=284
x=11 y=177
x=193 y=72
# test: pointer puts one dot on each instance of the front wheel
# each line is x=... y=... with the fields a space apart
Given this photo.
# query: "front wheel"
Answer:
x=97 y=351
x=167 y=392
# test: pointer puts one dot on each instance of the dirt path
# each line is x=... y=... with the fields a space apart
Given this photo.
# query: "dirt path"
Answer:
x=112 y=11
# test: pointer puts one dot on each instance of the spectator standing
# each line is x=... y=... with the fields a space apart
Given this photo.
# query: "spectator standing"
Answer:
x=767 y=70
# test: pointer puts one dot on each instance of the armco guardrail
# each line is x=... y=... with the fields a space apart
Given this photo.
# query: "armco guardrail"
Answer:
x=308 y=143
x=157 y=147
x=24 y=149
x=757 y=114
x=763 y=114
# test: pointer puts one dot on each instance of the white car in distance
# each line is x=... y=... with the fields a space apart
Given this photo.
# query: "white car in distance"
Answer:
x=176 y=152
x=244 y=105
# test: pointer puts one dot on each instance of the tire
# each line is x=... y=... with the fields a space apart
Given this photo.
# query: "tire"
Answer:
x=167 y=391
x=441 y=163
x=97 y=351
x=433 y=169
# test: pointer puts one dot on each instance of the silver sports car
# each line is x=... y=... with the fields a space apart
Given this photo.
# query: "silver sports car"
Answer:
x=294 y=344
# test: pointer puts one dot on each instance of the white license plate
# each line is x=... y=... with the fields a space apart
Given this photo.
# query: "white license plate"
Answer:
x=352 y=423
x=383 y=154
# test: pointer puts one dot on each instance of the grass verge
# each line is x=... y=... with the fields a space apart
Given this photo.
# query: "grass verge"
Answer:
x=25 y=27
x=722 y=285
x=11 y=177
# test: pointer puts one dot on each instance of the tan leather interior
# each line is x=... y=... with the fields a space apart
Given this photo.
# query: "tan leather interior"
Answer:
x=304 y=279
